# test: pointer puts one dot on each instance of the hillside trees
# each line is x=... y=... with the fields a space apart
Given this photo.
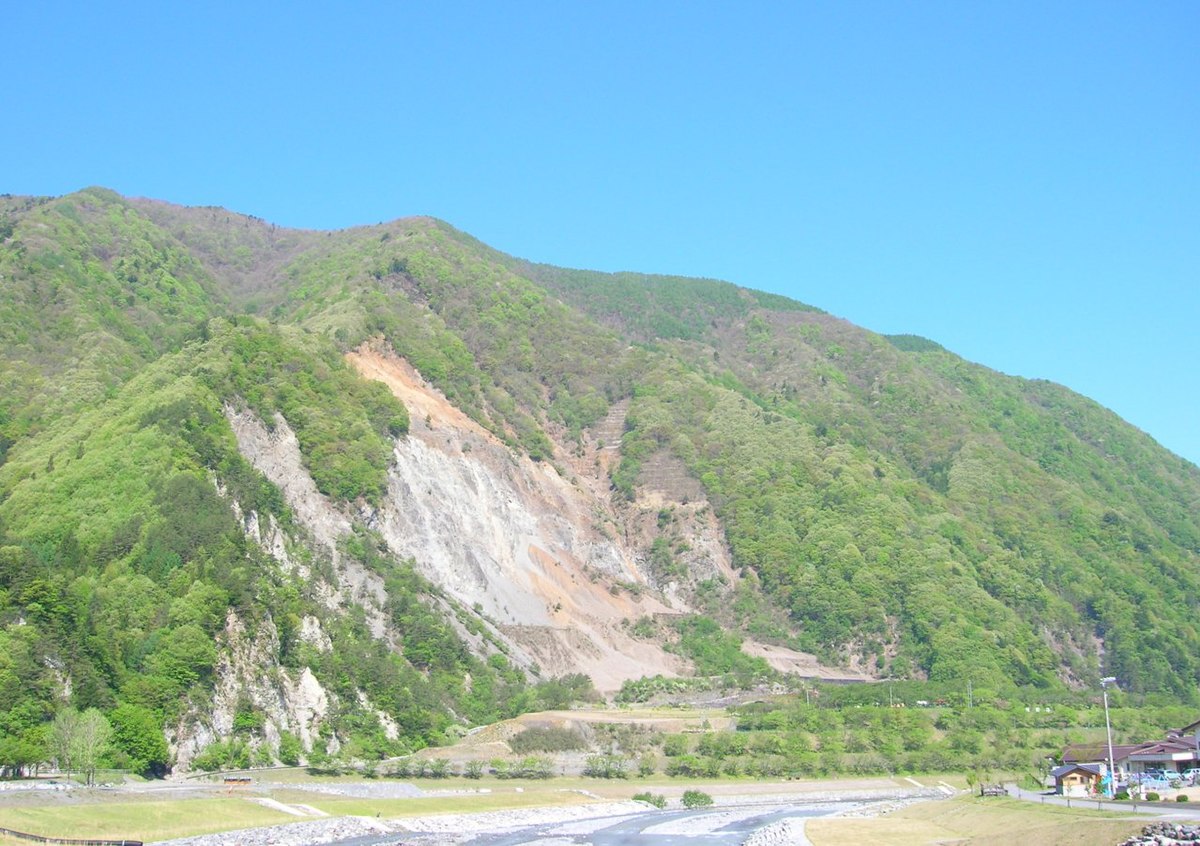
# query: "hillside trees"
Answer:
x=123 y=558
x=888 y=502
x=840 y=536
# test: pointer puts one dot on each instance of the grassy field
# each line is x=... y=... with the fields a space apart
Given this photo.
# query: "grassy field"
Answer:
x=978 y=822
x=148 y=817
x=140 y=820
x=467 y=803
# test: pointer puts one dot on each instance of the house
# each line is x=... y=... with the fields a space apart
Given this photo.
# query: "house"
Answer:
x=1078 y=779
x=1179 y=751
x=1173 y=755
x=1091 y=753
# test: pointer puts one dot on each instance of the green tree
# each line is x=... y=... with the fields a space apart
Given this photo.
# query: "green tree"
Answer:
x=63 y=733
x=185 y=655
x=79 y=740
x=91 y=742
x=138 y=736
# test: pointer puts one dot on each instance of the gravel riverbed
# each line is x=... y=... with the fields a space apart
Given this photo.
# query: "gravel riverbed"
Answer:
x=572 y=824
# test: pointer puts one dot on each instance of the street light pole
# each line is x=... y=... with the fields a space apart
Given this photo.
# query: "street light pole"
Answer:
x=1112 y=776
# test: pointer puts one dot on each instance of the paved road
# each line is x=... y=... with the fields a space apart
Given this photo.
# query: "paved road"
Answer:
x=1160 y=810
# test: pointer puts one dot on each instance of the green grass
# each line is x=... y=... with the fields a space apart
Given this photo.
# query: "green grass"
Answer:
x=980 y=822
x=456 y=804
x=146 y=820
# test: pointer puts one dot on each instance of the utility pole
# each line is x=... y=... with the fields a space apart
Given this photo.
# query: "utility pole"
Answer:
x=1112 y=776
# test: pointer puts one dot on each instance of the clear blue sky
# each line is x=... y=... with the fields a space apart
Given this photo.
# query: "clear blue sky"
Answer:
x=1018 y=181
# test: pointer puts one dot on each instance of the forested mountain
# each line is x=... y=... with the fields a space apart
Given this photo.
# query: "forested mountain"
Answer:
x=425 y=485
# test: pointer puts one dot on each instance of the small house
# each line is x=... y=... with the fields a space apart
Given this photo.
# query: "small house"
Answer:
x=1080 y=780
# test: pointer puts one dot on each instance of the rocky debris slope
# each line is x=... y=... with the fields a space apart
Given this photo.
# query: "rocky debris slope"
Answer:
x=1165 y=834
x=522 y=544
x=789 y=832
x=291 y=834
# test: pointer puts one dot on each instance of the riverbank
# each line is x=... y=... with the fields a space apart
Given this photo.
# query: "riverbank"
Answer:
x=768 y=816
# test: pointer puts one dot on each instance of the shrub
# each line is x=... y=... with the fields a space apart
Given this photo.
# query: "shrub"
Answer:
x=1122 y=794
x=655 y=799
x=606 y=766
x=533 y=767
x=1182 y=797
x=696 y=799
x=289 y=748
x=546 y=740
x=675 y=745
x=439 y=768
x=260 y=756
x=1152 y=796
x=232 y=754
x=473 y=769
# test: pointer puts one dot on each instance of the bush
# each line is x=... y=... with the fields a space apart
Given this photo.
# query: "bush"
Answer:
x=546 y=740
x=655 y=799
x=606 y=766
x=1122 y=794
x=438 y=768
x=533 y=767
x=1182 y=797
x=529 y=767
x=696 y=799
x=675 y=745
x=290 y=748
x=232 y=754
x=1152 y=796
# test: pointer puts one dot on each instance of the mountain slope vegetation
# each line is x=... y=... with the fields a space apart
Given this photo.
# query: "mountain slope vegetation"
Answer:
x=885 y=504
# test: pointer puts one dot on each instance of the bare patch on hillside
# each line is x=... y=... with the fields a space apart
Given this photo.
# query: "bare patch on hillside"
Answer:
x=510 y=537
x=553 y=563
x=428 y=408
x=664 y=479
x=798 y=663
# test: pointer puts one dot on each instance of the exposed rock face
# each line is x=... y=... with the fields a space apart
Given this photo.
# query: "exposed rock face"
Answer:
x=312 y=634
x=309 y=703
x=513 y=539
x=548 y=560
x=246 y=670
x=276 y=454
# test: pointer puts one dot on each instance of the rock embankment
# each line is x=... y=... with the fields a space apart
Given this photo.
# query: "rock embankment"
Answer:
x=1165 y=834
x=313 y=832
x=783 y=833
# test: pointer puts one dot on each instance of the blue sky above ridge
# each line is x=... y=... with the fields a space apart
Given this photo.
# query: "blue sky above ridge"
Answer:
x=1019 y=182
